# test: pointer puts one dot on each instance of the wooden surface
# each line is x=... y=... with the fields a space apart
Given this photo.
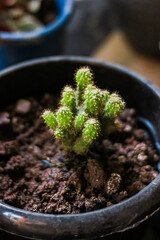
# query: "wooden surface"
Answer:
x=116 y=49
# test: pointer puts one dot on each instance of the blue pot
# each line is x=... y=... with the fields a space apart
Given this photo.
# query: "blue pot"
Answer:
x=16 y=47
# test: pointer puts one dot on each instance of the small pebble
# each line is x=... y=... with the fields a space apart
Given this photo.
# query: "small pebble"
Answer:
x=9 y=147
x=142 y=147
x=23 y=106
x=121 y=196
x=122 y=159
x=142 y=157
x=139 y=134
x=4 y=118
x=61 y=158
x=113 y=184
x=147 y=174
x=128 y=128
x=2 y=149
x=135 y=187
x=129 y=140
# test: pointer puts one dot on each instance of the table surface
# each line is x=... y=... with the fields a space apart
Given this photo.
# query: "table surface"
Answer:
x=116 y=49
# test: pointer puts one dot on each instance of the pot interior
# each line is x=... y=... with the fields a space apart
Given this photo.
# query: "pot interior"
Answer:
x=51 y=75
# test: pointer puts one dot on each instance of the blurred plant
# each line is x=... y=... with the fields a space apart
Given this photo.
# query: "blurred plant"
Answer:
x=26 y=15
x=84 y=114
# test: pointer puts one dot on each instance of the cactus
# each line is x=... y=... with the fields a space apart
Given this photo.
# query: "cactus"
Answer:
x=83 y=79
x=89 y=134
x=93 y=101
x=84 y=114
x=80 y=120
x=64 y=118
x=114 y=106
x=50 y=119
x=69 y=98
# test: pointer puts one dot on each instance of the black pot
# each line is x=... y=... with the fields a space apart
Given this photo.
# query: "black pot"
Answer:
x=140 y=21
x=50 y=75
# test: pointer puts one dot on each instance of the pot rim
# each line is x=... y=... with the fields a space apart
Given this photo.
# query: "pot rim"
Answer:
x=60 y=20
x=148 y=199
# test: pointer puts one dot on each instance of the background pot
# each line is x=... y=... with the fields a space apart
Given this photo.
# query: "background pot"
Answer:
x=89 y=27
x=140 y=21
x=50 y=75
x=17 y=47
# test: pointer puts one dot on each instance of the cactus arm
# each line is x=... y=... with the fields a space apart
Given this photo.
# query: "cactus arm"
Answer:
x=69 y=99
x=83 y=78
x=50 y=119
x=80 y=120
x=114 y=106
x=106 y=95
x=90 y=133
x=64 y=118
x=94 y=101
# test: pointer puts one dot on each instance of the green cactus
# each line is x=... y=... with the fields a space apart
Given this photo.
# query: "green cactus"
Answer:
x=114 y=106
x=93 y=101
x=89 y=134
x=64 y=118
x=60 y=133
x=80 y=120
x=84 y=113
x=84 y=77
x=69 y=98
x=106 y=95
x=50 y=119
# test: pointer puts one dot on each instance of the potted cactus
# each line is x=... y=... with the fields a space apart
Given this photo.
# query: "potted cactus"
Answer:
x=82 y=113
x=98 y=171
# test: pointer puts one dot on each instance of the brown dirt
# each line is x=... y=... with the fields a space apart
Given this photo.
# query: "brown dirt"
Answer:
x=36 y=175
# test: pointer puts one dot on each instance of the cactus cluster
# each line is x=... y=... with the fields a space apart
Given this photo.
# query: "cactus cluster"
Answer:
x=84 y=113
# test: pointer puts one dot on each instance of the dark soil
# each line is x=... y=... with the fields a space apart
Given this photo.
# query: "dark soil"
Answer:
x=36 y=175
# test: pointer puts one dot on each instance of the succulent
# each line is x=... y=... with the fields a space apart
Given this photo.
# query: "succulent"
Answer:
x=84 y=114
x=26 y=15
